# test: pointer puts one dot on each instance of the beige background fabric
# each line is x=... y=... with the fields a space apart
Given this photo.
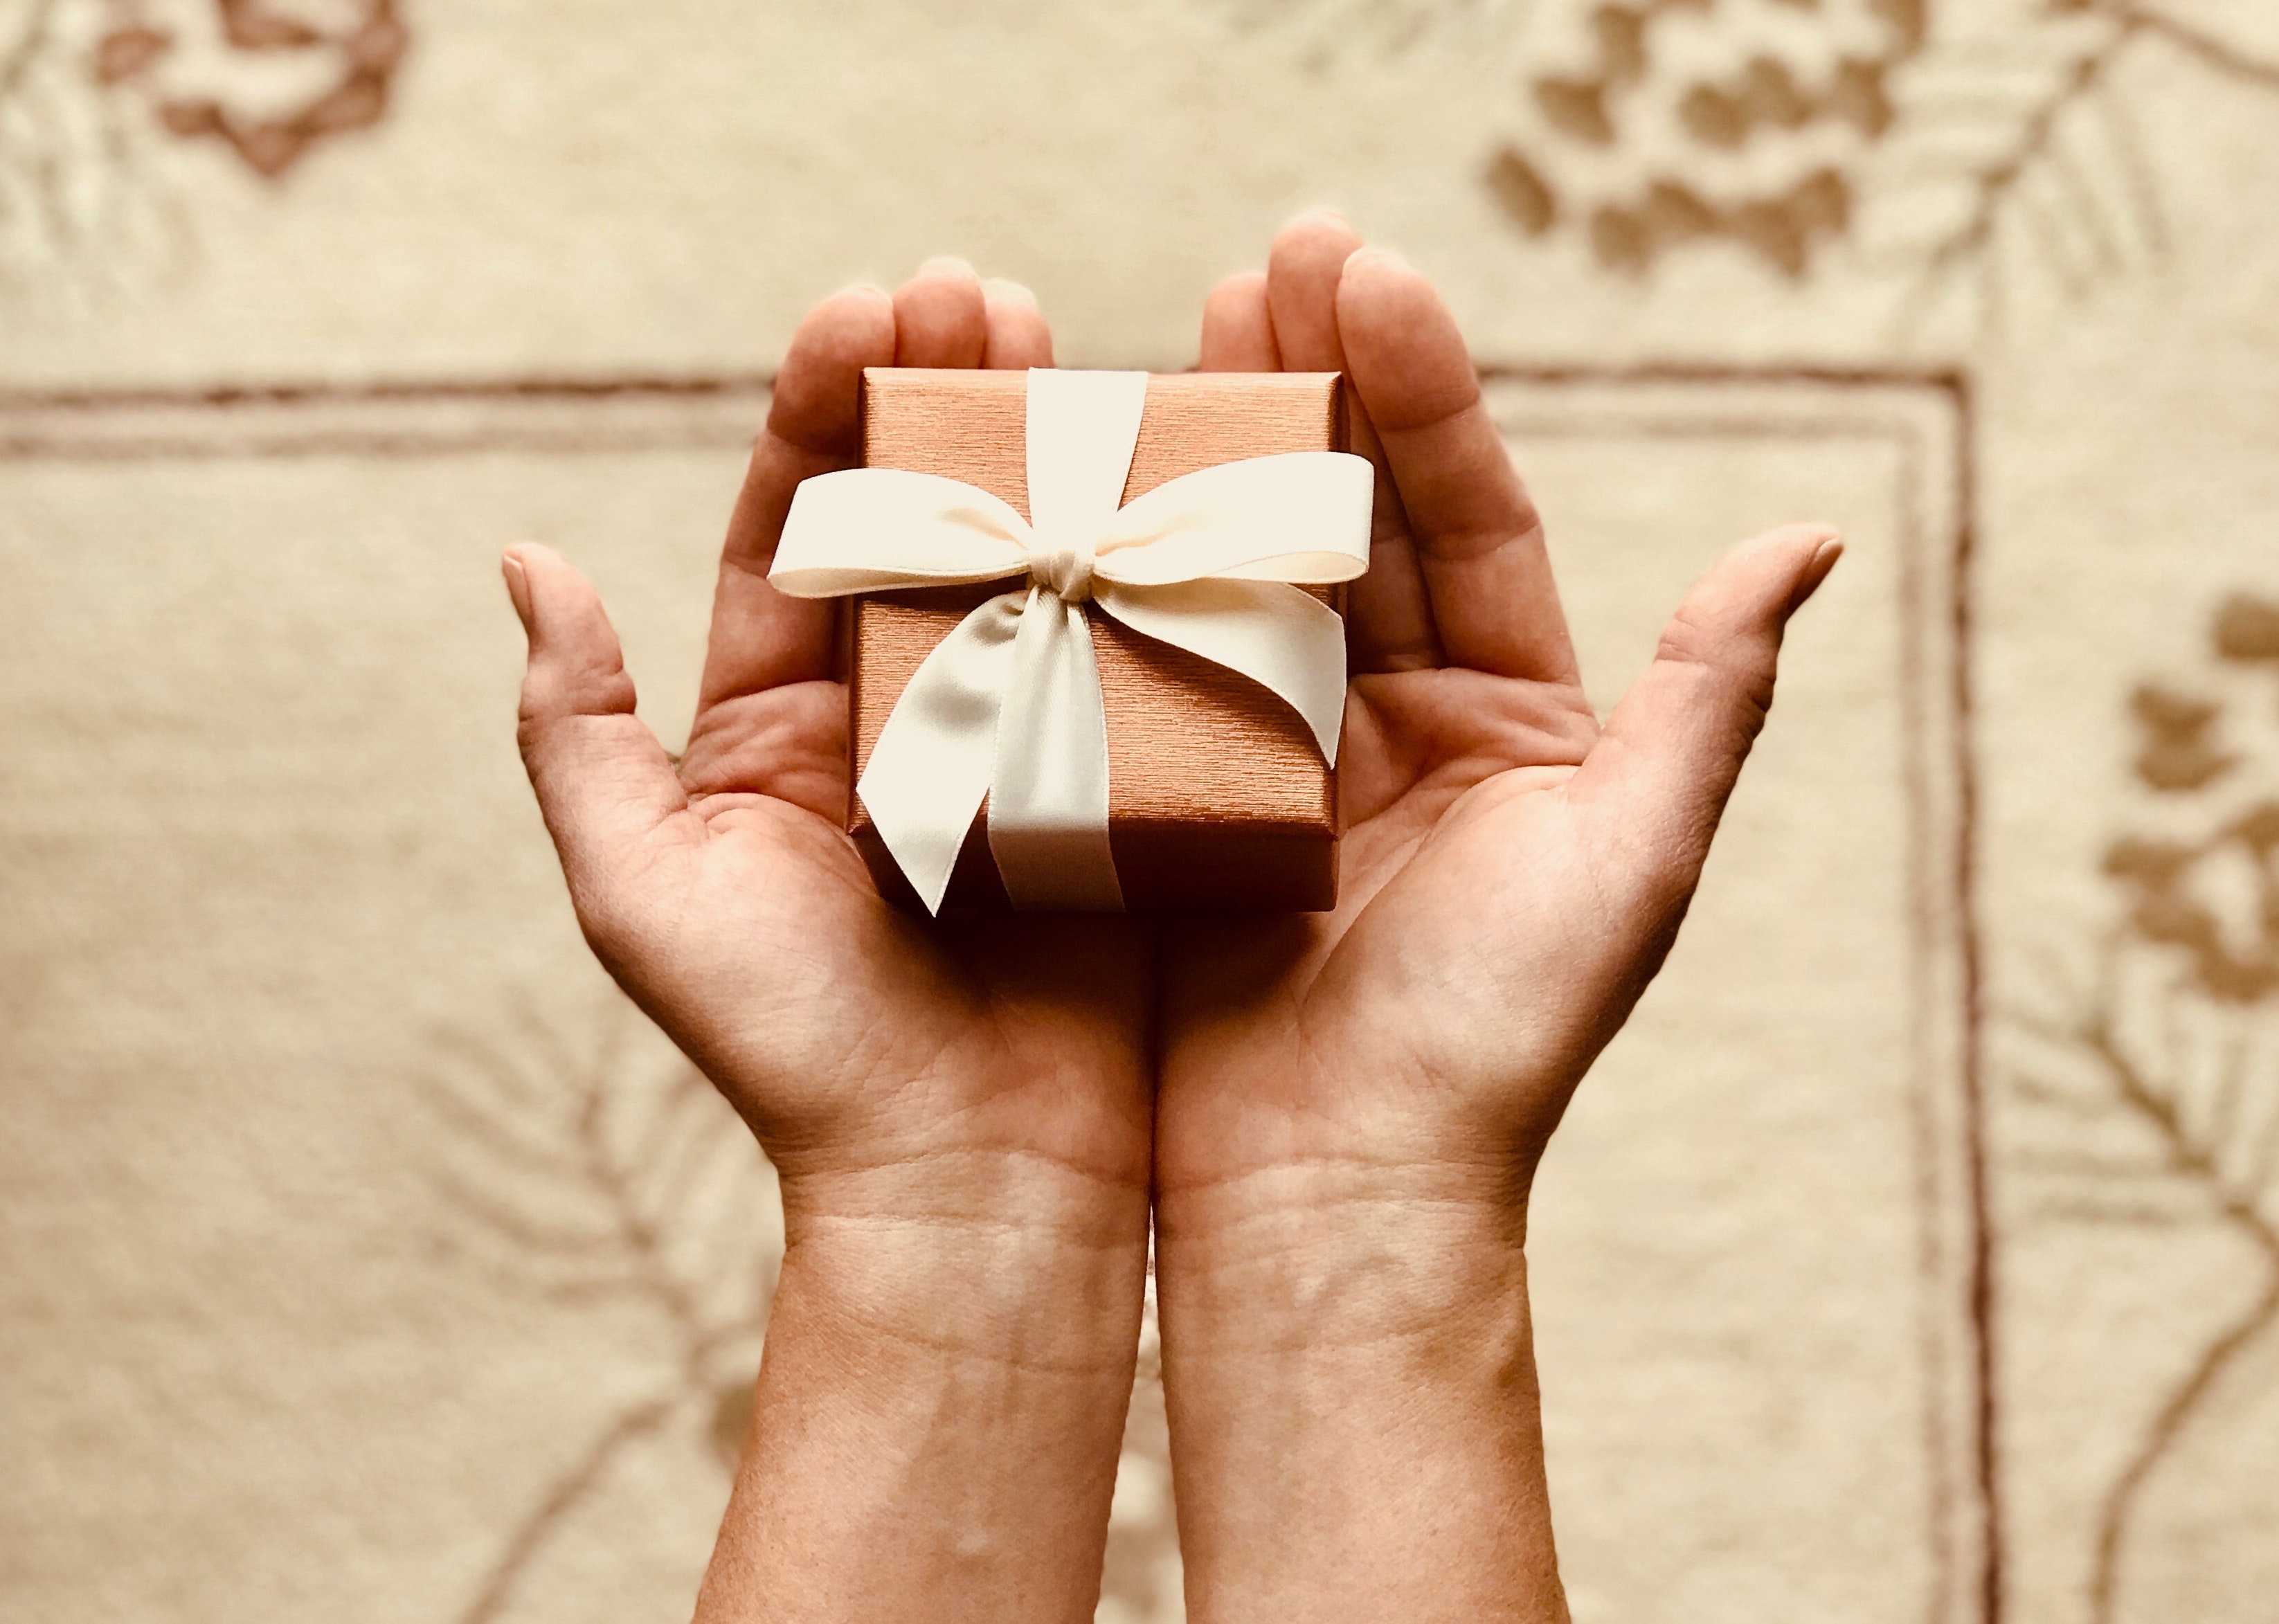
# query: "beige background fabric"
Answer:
x=1913 y=1255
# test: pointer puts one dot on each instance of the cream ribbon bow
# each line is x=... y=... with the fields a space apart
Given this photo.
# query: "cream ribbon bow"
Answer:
x=1008 y=705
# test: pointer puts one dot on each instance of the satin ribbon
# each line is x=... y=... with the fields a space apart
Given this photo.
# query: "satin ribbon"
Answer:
x=1008 y=705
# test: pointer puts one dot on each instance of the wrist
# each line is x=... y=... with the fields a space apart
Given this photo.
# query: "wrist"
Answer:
x=1322 y=1259
x=1349 y=1373
x=942 y=1396
x=980 y=1254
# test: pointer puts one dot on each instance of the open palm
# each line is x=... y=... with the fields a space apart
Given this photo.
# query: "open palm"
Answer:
x=1350 y=1106
x=723 y=893
x=1512 y=873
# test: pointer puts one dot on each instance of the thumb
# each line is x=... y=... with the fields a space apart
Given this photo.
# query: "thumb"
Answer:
x=604 y=785
x=1672 y=751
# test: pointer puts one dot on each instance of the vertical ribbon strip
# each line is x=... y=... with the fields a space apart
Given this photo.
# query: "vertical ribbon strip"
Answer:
x=1008 y=706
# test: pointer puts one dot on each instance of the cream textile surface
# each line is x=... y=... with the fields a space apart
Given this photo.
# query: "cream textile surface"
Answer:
x=1913 y=1255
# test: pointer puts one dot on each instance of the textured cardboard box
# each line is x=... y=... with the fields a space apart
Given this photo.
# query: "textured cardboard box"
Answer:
x=1218 y=797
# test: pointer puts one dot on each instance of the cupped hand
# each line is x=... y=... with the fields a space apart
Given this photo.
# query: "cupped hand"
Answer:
x=960 y=1111
x=1512 y=872
x=876 y=1055
x=1350 y=1106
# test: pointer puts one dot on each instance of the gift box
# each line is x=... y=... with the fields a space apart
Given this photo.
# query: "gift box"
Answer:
x=1220 y=795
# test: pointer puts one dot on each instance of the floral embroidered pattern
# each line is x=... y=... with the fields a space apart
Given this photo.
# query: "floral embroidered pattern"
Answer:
x=1948 y=148
x=269 y=79
x=2148 y=1099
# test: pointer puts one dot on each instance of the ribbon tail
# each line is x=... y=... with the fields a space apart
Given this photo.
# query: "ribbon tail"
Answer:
x=1049 y=792
x=930 y=769
x=1287 y=641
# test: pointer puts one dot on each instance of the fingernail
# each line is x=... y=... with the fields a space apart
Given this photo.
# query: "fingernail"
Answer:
x=1004 y=288
x=518 y=587
x=870 y=288
x=947 y=265
x=1823 y=561
x=1327 y=211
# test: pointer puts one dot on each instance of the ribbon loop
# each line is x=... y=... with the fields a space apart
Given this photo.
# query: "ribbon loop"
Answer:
x=1008 y=706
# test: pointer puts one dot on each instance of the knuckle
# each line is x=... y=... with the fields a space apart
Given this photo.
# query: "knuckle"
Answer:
x=588 y=686
x=1741 y=663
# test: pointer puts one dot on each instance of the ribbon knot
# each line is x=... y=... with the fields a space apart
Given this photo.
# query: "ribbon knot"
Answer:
x=1008 y=706
x=1064 y=570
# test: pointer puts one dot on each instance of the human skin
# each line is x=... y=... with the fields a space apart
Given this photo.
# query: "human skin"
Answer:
x=1351 y=1106
x=1346 y=1110
x=960 y=1112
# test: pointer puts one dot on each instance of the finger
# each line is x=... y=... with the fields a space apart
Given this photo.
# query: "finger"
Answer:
x=1301 y=289
x=1016 y=334
x=941 y=317
x=1237 y=330
x=1479 y=539
x=1388 y=615
x=604 y=785
x=761 y=639
x=1672 y=751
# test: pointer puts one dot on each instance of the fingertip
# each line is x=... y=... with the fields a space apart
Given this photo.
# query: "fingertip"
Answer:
x=1374 y=273
x=858 y=320
x=1242 y=289
x=1788 y=564
x=1408 y=358
x=1827 y=548
x=534 y=572
x=1827 y=544
x=817 y=390
x=1377 y=254
x=940 y=316
x=577 y=663
x=550 y=594
x=1004 y=289
x=858 y=305
x=1018 y=333
x=1806 y=539
x=517 y=585
x=1302 y=288
x=1316 y=232
x=1238 y=333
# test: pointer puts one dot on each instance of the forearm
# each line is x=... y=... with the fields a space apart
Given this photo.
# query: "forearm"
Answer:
x=1355 y=1430
x=940 y=1402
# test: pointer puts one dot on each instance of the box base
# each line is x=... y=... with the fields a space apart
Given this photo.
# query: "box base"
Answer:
x=1162 y=869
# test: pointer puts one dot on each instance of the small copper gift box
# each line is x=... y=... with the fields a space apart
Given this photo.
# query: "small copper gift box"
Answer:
x=1219 y=797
